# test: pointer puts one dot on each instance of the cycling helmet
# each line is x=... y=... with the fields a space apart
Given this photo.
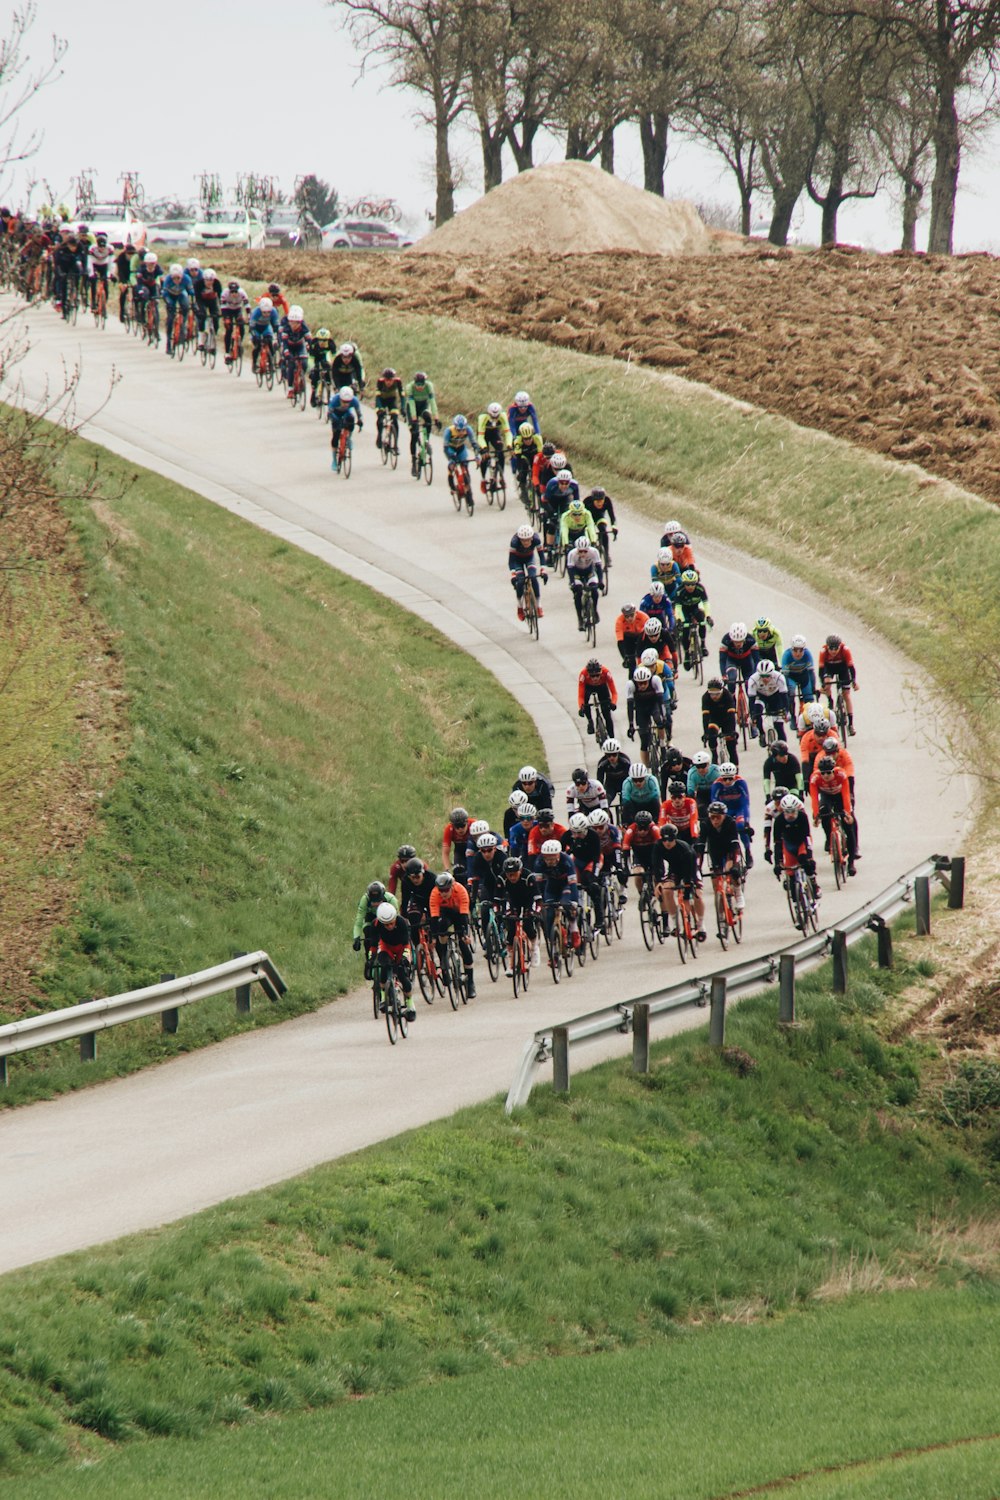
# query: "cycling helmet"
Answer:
x=486 y=841
x=548 y=449
x=715 y=684
x=677 y=789
x=552 y=846
x=665 y=558
x=527 y=773
x=295 y=315
x=274 y=288
x=419 y=378
x=679 y=539
x=826 y=764
x=674 y=757
x=650 y=657
x=642 y=674
x=525 y=533
x=445 y=880
x=781 y=748
x=405 y=852
x=820 y=723
x=791 y=803
x=656 y=590
x=102 y=238
x=150 y=258
x=386 y=913
x=512 y=865
x=209 y=276
x=517 y=797
x=460 y=421
x=388 y=373
x=459 y=817
x=637 y=771
x=176 y=269
x=557 y=461
x=598 y=818
x=628 y=609
x=578 y=823
x=194 y=264
x=653 y=628
x=668 y=833
x=346 y=393
x=831 y=745
x=375 y=891
x=413 y=867
x=690 y=575
x=525 y=430
x=494 y=409
x=545 y=815
x=580 y=777
x=833 y=642
x=576 y=507
x=527 y=812
x=611 y=747
x=766 y=669
x=594 y=667
x=701 y=758
x=266 y=305
x=321 y=333
x=478 y=827
x=643 y=819
x=716 y=807
x=564 y=477
x=347 y=350
x=522 y=399
x=669 y=527
x=762 y=623
x=728 y=769
x=738 y=631
x=598 y=492
x=234 y=286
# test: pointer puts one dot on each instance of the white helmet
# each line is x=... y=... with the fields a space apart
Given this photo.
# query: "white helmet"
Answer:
x=295 y=314
x=193 y=263
x=637 y=771
x=670 y=527
x=665 y=557
x=578 y=821
x=386 y=912
x=176 y=269
x=346 y=350
x=798 y=640
x=565 y=476
x=727 y=769
x=611 y=747
x=266 y=305
x=527 y=811
x=738 y=631
x=642 y=674
x=486 y=841
x=527 y=773
x=790 y=803
x=766 y=669
x=522 y=399
x=346 y=393
x=150 y=258
x=656 y=590
x=480 y=826
x=525 y=533
x=650 y=657
x=557 y=462
x=209 y=276
x=701 y=758
x=552 y=846
x=517 y=797
x=598 y=818
x=494 y=409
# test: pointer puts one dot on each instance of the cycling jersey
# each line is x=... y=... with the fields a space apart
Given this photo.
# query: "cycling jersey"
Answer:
x=367 y=909
x=683 y=813
x=586 y=798
x=455 y=900
x=493 y=430
x=389 y=394
x=594 y=684
x=602 y=509
x=722 y=844
x=835 y=785
x=573 y=529
x=518 y=414
x=347 y=371
x=420 y=399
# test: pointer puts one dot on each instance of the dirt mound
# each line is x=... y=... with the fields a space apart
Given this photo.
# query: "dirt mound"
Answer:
x=569 y=208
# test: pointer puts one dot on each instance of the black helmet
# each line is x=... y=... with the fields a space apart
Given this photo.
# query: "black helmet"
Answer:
x=513 y=865
x=548 y=449
x=420 y=378
x=580 y=776
x=826 y=764
x=445 y=881
x=376 y=891
x=715 y=684
x=716 y=807
x=668 y=833
x=234 y=286
x=643 y=819
x=833 y=641
x=274 y=290
x=677 y=789
x=405 y=852
x=459 y=817
x=546 y=815
x=593 y=665
x=413 y=866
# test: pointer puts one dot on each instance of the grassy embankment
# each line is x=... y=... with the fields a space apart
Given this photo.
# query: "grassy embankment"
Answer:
x=265 y=698
x=622 y=1217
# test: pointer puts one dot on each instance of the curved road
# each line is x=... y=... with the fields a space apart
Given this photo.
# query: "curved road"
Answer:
x=264 y=1106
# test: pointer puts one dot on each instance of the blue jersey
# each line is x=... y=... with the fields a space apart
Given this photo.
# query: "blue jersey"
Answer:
x=702 y=781
x=736 y=797
x=518 y=414
x=559 y=498
x=173 y=288
x=647 y=790
x=556 y=878
x=264 y=322
x=659 y=609
x=337 y=412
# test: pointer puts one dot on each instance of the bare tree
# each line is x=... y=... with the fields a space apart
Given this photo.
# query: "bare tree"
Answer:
x=668 y=41
x=20 y=82
x=720 y=112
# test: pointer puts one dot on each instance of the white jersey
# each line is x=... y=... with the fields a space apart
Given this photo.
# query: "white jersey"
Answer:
x=586 y=798
x=766 y=687
x=583 y=557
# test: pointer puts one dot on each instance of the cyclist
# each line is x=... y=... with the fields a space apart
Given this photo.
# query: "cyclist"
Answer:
x=610 y=839
x=264 y=325
x=768 y=640
x=682 y=874
x=583 y=845
x=421 y=411
x=645 y=848
x=767 y=692
x=691 y=610
x=524 y=564
x=612 y=770
x=415 y=895
x=812 y=743
x=799 y=670
x=343 y=414
x=100 y=259
x=842 y=757
x=738 y=650
x=539 y=788
x=664 y=570
x=679 y=547
x=476 y=831
x=67 y=266
x=393 y=953
x=576 y=523
x=830 y=794
x=584 y=570
x=724 y=850
x=518 y=906
x=459 y=448
x=320 y=359
x=274 y=293
x=494 y=436
x=522 y=410
x=718 y=719
x=601 y=510
x=782 y=770
x=404 y=854
x=146 y=283
x=584 y=794
x=656 y=605
x=388 y=401
x=347 y=369
x=731 y=789
x=640 y=793
x=207 y=303
x=449 y=908
x=486 y=876
x=520 y=832
x=681 y=810
x=595 y=681
x=701 y=778
x=455 y=837
x=364 y=921
x=542 y=470
x=645 y=704
x=656 y=638
x=294 y=340
x=629 y=635
x=792 y=841
x=233 y=305
x=525 y=448
x=836 y=664
x=560 y=490
x=123 y=275
x=176 y=289
x=545 y=827
x=676 y=764
x=557 y=873
x=512 y=811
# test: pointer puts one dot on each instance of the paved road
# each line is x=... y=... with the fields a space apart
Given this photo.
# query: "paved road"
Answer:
x=142 y=1151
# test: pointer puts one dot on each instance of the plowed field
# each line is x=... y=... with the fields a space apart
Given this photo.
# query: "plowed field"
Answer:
x=898 y=353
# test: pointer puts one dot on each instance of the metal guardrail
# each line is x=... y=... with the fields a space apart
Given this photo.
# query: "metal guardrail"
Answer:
x=164 y=999
x=751 y=974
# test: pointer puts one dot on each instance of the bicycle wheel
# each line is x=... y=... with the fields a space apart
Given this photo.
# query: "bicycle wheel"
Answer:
x=74 y=305
x=561 y=555
x=393 y=443
x=301 y=389
x=101 y=305
x=517 y=962
x=456 y=493
x=391 y=1010
x=616 y=917
x=180 y=341
x=606 y=559
x=531 y=611
x=722 y=919
x=568 y=952
x=237 y=353
x=346 y=461
x=211 y=346
x=383 y=446
x=698 y=659
x=646 y=919
x=258 y=369
x=500 y=489
x=838 y=853
x=681 y=934
x=427 y=465
x=269 y=373
x=593 y=932
x=493 y=950
x=425 y=977
x=799 y=903
x=376 y=991
x=841 y=716
x=590 y=622
x=402 y=1005
x=552 y=956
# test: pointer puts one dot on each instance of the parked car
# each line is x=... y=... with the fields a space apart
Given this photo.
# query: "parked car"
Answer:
x=231 y=227
x=287 y=229
x=171 y=232
x=362 y=234
x=118 y=221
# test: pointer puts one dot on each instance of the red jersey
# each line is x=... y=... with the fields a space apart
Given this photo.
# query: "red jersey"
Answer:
x=641 y=838
x=453 y=835
x=839 y=658
x=836 y=784
x=538 y=836
x=683 y=813
x=605 y=680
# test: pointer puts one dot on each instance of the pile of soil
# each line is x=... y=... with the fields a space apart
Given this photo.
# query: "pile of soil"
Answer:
x=898 y=353
x=569 y=208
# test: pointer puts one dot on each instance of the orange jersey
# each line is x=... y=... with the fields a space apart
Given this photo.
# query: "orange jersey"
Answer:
x=457 y=899
x=634 y=626
x=811 y=743
x=683 y=556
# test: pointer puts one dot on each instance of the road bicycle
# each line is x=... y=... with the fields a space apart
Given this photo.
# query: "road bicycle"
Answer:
x=264 y=364
x=491 y=938
x=590 y=931
x=460 y=485
x=520 y=967
x=299 y=386
x=686 y=931
x=652 y=919
x=587 y=617
x=343 y=449
x=179 y=339
x=692 y=650
x=234 y=339
x=838 y=849
x=423 y=461
x=71 y=299
x=322 y=392
x=802 y=903
x=531 y=607
x=738 y=689
x=559 y=950
x=525 y=491
x=394 y=1006
x=100 y=303
x=495 y=480
x=604 y=544
x=834 y=690
x=454 y=974
x=728 y=921
x=210 y=346
x=775 y=730
x=602 y=723
x=613 y=912
x=151 y=321
x=388 y=440
x=428 y=970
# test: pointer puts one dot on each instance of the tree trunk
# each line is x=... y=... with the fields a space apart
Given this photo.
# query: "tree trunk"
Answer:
x=524 y=148
x=746 y=205
x=444 y=204
x=576 y=144
x=781 y=218
x=947 y=155
x=913 y=191
x=653 y=128
x=608 y=150
x=492 y=146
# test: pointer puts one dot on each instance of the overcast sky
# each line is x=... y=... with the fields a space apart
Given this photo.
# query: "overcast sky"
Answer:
x=116 y=107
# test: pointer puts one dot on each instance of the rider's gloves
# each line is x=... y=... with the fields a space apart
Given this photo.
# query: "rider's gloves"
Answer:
x=581 y=713
x=768 y=856
x=357 y=945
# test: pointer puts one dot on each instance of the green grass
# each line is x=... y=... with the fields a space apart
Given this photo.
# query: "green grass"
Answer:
x=274 y=706
x=617 y=1218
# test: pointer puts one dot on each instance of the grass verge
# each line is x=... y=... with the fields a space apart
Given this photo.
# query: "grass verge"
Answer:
x=250 y=807
x=626 y=1214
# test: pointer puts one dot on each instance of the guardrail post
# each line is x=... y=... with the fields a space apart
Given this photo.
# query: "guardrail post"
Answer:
x=717 y=1012
x=169 y=1018
x=3 y=1072
x=883 y=935
x=838 y=949
x=88 y=1046
x=560 y=1059
x=640 y=1037
x=786 y=989
x=242 y=990
x=922 y=904
x=956 y=891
